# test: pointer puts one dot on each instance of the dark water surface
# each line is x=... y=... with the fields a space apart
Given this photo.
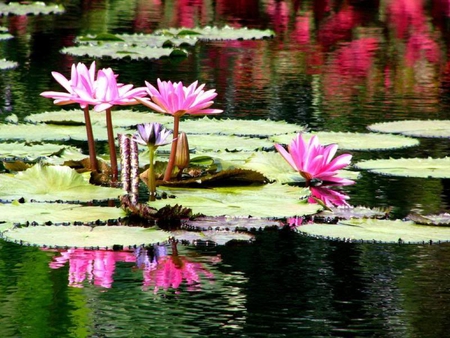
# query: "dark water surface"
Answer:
x=333 y=66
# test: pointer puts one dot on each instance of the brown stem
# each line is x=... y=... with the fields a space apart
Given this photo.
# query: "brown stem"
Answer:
x=173 y=151
x=90 y=138
x=112 y=146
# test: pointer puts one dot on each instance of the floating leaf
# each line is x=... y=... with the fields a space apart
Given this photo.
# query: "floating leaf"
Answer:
x=437 y=220
x=85 y=236
x=355 y=141
x=374 y=230
x=52 y=183
x=333 y=214
x=230 y=223
x=201 y=142
x=121 y=118
x=216 y=33
x=35 y=8
x=30 y=151
x=5 y=64
x=409 y=167
x=210 y=237
x=418 y=128
x=270 y=200
x=57 y=213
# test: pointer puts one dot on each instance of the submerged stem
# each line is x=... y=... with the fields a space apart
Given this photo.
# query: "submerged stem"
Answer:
x=112 y=146
x=173 y=151
x=90 y=138
x=151 y=180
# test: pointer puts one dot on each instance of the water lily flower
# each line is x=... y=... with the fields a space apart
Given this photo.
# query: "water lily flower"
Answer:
x=182 y=156
x=152 y=135
x=315 y=161
x=177 y=100
x=82 y=79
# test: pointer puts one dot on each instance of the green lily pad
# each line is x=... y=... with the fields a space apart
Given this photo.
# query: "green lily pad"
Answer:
x=418 y=128
x=259 y=128
x=267 y=201
x=216 y=33
x=437 y=220
x=120 y=51
x=355 y=141
x=5 y=64
x=226 y=223
x=57 y=213
x=85 y=236
x=210 y=237
x=374 y=230
x=30 y=8
x=5 y=36
x=121 y=118
x=204 y=142
x=409 y=167
x=31 y=152
x=139 y=39
x=50 y=132
x=52 y=183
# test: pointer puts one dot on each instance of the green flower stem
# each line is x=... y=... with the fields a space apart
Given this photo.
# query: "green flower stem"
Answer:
x=173 y=151
x=112 y=146
x=151 y=180
x=90 y=138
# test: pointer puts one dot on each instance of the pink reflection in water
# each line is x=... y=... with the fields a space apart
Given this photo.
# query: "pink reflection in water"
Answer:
x=95 y=266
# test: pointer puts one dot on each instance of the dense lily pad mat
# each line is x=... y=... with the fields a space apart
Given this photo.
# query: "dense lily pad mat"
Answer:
x=378 y=230
x=85 y=236
x=267 y=201
x=418 y=128
x=52 y=183
x=409 y=167
x=356 y=141
x=44 y=213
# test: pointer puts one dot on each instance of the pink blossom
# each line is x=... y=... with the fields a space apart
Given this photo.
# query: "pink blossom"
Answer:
x=314 y=161
x=328 y=197
x=175 y=99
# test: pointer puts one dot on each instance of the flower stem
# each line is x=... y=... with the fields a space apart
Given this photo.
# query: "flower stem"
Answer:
x=112 y=146
x=173 y=151
x=90 y=138
x=151 y=181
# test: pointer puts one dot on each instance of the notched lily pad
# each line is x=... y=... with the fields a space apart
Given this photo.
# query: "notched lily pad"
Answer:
x=417 y=128
x=377 y=231
x=52 y=183
x=101 y=237
x=409 y=167
x=356 y=141
x=30 y=8
x=437 y=220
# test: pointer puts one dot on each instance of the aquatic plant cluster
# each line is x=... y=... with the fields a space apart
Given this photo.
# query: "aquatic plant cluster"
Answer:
x=101 y=90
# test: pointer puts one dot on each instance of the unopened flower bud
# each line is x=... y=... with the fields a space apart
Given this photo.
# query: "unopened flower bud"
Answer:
x=182 y=157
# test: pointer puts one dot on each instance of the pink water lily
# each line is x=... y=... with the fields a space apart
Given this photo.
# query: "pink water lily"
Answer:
x=328 y=197
x=177 y=100
x=315 y=161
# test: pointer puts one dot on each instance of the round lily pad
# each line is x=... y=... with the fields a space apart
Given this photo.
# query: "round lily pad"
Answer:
x=216 y=33
x=30 y=151
x=212 y=237
x=85 y=236
x=355 y=141
x=53 y=183
x=409 y=167
x=121 y=117
x=374 y=230
x=418 y=128
x=267 y=201
x=57 y=213
x=202 y=142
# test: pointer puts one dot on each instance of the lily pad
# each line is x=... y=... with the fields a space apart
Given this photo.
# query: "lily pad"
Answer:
x=57 y=213
x=210 y=237
x=334 y=214
x=437 y=220
x=30 y=8
x=418 y=128
x=139 y=39
x=246 y=224
x=267 y=201
x=85 y=236
x=259 y=128
x=52 y=183
x=31 y=152
x=120 y=51
x=409 y=167
x=356 y=141
x=50 y=132
x=374 y=230
x=121 y=118
x=216 y=33
x=203 y=142
x=5 y=64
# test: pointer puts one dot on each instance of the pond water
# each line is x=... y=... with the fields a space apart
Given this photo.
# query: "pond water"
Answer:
x=332 y=66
